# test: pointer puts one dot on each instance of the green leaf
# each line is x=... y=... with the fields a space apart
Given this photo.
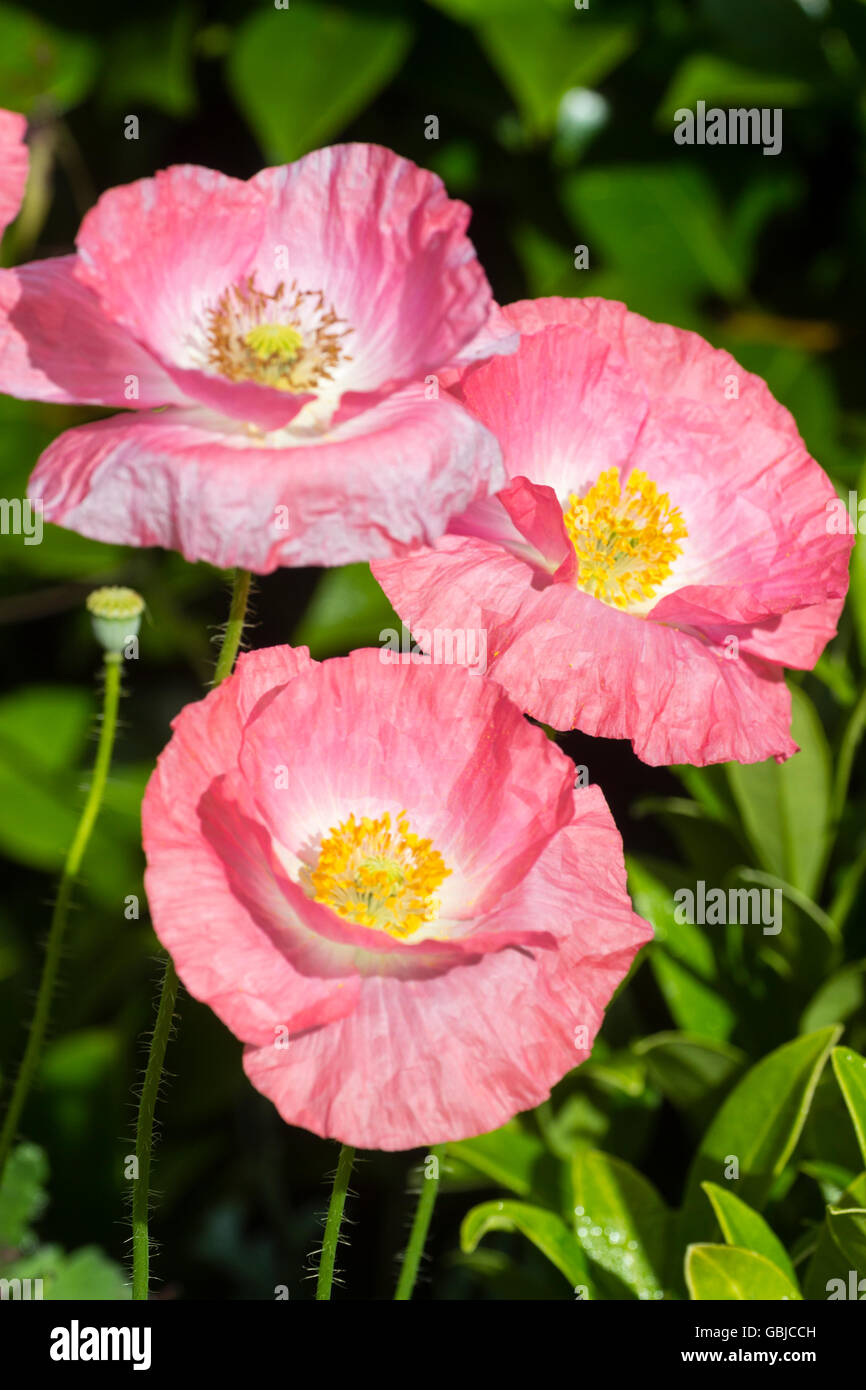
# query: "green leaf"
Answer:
x=621 y=1222
x=786 y=806
x=300 y=75
x=718 y=82
x=542 y=61
x=688 y=1069
x=840 y=1250
x=742 y=1225
x=832 y=1178
x=726 y=1273
x=348 y=609
x=42 y=735
x=87 y=1274
x=858 y=577
x=681 y=957
x=151 y=61
x=510 y=1156
x=547 y=1231
x=850 y=1069
x=759 y=1125
x=38 y=61
x=668 y=216
x=22 y=1194
x=836 y=999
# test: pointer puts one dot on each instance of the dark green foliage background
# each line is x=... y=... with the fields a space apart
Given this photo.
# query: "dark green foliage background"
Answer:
x=761 y=255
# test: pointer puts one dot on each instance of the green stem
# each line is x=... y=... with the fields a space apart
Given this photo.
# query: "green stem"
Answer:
x=334 y=1221
x=72 y=864
x=420 y=1227
x=144 y=1133
x=167 y=1000
x=235 y=625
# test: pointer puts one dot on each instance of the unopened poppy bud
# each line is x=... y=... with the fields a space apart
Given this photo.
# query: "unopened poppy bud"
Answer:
x=116 y=616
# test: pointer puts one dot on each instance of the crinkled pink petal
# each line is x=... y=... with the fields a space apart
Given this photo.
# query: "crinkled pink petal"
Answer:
x=374 y=486
x=535 y=512
x=404 y=1045
x=382 y=240
x=488 y=790
x=574 y=662
x=564 y=408
x=159 y=253
x=13 y=165
x=220 y=952
x=56 y=344
x=459 y=1054
x=314 y=938
x=592 y=387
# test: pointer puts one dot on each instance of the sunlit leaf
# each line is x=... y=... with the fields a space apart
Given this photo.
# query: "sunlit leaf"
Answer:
x=850 y=1069
x=757 y=1126
x=785 y=806
x=621 y=1222
x=742 y=1225
x=547 y=1231
x=726 y=1273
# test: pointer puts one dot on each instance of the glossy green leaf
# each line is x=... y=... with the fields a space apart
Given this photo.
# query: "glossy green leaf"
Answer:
x=742 y=1225
x=758 y=1125
x=621 y=1222
x=22 y=1194
x=786 y=806
x=547 y=1231
x=300 y=75
x=724 y=1273
x=850 y=1069
x=838 y=1261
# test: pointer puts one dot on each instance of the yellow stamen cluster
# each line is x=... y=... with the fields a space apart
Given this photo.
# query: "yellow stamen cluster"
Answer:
x=626 y=541
x=290 y=339
x=376 y=875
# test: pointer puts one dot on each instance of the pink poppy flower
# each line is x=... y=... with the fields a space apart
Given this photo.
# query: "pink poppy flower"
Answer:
x=288 y=331
x=661 y=551
x=13 y=165
x=406 y=911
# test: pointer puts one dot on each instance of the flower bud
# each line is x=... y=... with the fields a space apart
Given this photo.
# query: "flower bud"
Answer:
x=116 y=616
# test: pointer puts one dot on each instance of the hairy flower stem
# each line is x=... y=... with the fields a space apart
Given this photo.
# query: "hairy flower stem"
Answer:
x=234 y=627
x=420 y=1227
x=56 y=932
x=167 y=999
x=144 y=1133
x=334 y=1221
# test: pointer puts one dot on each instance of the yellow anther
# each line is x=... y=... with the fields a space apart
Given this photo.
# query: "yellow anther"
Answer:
x=626 y=541
x=376 y=875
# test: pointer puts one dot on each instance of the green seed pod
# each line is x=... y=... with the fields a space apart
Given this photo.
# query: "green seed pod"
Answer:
x=116 y=616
